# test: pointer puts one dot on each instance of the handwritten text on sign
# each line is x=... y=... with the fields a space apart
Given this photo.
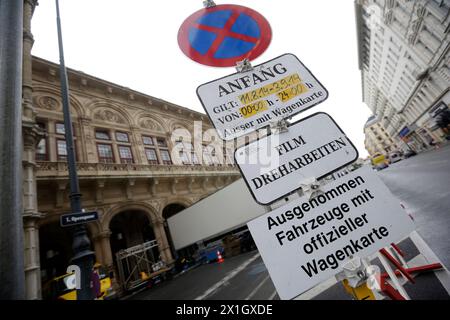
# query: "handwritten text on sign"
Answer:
x=244 y=102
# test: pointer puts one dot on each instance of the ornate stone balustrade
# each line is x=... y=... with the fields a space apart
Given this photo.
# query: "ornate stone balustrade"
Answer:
x=47 y=170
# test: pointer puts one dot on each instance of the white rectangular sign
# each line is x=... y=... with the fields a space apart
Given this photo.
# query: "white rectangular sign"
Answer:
x=308 y=241
x=276 y=164
x=224 y=210
x=246 y=101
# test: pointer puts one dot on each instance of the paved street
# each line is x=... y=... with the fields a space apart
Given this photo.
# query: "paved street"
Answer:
x=240 y=277
x=420 y=182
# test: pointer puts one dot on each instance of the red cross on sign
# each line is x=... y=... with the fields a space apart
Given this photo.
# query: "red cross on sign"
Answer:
x=223 y=35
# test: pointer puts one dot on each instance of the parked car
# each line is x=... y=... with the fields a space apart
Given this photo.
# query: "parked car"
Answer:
x=209 y=253
x=409 y=153
x=395 y=156
x=379 y=161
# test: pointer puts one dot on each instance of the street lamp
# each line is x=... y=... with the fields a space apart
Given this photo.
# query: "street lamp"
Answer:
x=83 y=256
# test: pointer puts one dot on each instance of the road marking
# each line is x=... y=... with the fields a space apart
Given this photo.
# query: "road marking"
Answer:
x=257 y=288
x=442 y=275
x=273 y=295
x=227 y=278
x=315 y=291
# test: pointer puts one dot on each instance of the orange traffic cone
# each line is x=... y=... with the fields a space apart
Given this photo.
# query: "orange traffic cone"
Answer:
x=219 y=257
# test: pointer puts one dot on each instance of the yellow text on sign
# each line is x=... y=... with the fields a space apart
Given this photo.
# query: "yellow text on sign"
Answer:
x=254 y=108
x=292 y=92
x=269 y=89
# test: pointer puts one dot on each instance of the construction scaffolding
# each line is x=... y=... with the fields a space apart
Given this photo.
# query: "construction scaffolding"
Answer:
x=140 y=264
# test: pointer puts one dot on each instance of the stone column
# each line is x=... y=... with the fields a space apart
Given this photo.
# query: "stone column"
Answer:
x=103 y=245
x=114 y=147
x=87 y=134
x=78 y=142
x=28 y=40
x=31 y=136
x=32 y=260
x=52 y=153
x=106 y=249
x=163 y=243
x=97 y=242
x=138 y=146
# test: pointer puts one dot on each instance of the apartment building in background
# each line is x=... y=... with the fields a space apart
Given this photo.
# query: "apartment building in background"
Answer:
x=403 y=49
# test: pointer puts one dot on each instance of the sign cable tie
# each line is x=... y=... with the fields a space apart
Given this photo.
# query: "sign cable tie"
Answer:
x=279 y=126
x=354 y=271
x=209 y=3
x=244 y=66
x=311 y=187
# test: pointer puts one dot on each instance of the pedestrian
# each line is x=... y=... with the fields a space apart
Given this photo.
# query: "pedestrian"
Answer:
x=95 y=284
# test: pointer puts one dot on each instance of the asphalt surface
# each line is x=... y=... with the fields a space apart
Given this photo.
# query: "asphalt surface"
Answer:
x=199 y=283
x=420 y=182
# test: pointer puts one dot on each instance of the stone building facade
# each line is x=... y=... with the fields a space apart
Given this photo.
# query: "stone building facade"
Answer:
x=403 y=49
x=140 y=160
x=377 y=140
x=136 y=162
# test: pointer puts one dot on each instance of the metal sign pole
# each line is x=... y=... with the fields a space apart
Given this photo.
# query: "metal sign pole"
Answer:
x=83 y=256
x=12 y=276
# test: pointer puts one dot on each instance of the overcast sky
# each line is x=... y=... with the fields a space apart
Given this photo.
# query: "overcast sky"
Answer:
x=133 y=43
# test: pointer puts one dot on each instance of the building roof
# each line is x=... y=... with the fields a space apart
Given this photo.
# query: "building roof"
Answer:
x=40 y=64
